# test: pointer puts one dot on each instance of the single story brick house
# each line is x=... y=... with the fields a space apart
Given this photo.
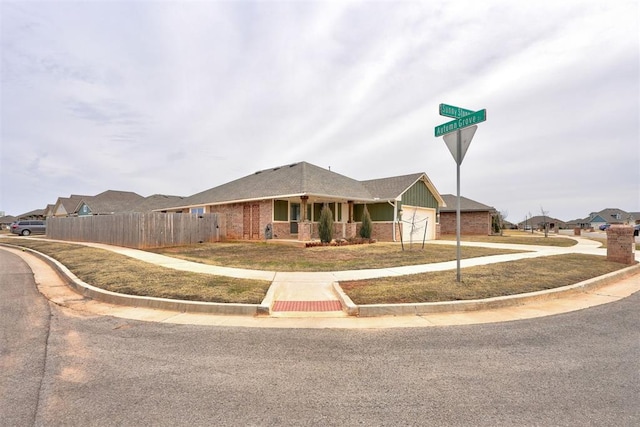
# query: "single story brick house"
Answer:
x=539 y=222
x=286 y=201
x=107 y=203
x=606 y=216
x=66 y=206
x=475 y=217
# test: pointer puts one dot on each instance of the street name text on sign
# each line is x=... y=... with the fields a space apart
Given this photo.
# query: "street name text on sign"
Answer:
x=463 y=122
x=453 y=111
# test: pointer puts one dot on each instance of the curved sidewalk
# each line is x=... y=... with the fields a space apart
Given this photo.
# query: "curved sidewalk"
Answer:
x=323 y=286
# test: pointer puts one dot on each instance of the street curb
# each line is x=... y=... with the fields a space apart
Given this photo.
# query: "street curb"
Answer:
x=351 y=309
x=183 y=306
x=377 y=310
x=264 y=309
x=347 y=305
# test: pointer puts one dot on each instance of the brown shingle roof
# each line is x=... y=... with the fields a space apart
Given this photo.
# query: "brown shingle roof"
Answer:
x=69 y=204
x=466 y=205
x=303 y=178
x=290 y=180
x=155 y=202
x=392 y=187
x=111 y=201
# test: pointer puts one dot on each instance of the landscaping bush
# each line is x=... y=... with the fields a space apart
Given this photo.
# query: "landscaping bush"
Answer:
x=325 y=225
x=365 y=229
x=495 y=225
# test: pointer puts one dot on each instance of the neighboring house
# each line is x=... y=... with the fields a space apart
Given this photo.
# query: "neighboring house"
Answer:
x=156 y=202
x=538 y=223
x=579 y=223
x=107 y=203
x=35 y=214
x=288 y=199
x=507 y=225
x=6 y=221
x=606 y=216
x=475 y=217
x=48 y=211
x=66 y=206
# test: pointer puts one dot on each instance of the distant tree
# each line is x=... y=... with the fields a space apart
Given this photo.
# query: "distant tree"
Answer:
x=365 y=229
x=325 y=225
x=503 y=215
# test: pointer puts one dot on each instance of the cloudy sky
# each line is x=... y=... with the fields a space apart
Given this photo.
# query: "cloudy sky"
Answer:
x=177 y=97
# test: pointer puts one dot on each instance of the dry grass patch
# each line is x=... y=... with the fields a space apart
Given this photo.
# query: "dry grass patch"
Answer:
x=273 y=257
x=488 y=281
x=118 y=273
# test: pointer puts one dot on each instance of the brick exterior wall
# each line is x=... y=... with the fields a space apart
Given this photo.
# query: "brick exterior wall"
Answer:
x=621 y=245
x=381 y=231
x=282 y=230
x=471 y=223
x=341 y=230
x=239 y=226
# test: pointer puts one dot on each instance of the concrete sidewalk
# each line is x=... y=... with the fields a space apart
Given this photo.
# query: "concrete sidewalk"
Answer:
x=303 y=286
x=314 y=295
x=53 y=287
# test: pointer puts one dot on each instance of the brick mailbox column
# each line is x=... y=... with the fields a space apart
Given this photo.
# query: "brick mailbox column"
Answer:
x=621 y=246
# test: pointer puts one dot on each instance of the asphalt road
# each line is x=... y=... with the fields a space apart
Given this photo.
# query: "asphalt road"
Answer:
x=61 y=367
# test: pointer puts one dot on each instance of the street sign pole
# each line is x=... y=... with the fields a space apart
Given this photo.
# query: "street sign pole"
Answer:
x=464 y=127
x=458 y=252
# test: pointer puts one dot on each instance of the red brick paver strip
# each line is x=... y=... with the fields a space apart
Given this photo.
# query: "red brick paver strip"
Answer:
x=307 y=306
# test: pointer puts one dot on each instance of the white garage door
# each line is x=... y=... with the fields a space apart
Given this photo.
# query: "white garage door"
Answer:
x=414 y=221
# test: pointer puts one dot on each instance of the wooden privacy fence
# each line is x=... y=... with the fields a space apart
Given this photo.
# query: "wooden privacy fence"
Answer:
x=139 y=230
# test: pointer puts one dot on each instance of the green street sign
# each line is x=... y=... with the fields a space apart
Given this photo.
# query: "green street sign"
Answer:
x=452 y=111
x=463 y=122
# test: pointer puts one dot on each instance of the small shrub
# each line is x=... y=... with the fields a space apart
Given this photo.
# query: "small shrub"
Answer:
x=325 y=225
x=365 y=229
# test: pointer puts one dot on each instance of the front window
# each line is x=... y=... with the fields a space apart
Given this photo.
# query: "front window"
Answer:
x=198 y=211
x=280 y=210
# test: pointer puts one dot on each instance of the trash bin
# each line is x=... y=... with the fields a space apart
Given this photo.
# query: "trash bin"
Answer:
x=268 y=232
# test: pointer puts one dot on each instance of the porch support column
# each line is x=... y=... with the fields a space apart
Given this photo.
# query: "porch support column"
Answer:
x=350 y=229
x=303 y=208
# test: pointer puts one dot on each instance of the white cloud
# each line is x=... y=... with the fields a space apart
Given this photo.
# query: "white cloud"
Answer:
x=177 y=97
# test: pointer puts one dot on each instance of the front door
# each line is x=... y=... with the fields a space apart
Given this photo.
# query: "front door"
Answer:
x=294 y=217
